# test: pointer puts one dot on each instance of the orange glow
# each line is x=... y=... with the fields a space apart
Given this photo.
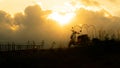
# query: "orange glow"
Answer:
x=14 y=27
x=62 y=19
x=63 y=14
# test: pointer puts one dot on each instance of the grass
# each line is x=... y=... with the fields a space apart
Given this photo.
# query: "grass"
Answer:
x=83 y=57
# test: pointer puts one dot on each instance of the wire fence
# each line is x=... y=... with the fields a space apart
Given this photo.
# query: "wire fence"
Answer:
x=19 y=47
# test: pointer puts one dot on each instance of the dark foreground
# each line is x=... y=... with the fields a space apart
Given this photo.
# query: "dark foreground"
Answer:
x=82 y=57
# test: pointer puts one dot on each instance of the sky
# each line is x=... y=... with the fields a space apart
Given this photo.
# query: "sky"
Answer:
x=14 y=6
x=10 y=5
x=51 y=20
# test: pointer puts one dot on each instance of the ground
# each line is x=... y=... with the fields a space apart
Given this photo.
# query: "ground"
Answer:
x=82 y=57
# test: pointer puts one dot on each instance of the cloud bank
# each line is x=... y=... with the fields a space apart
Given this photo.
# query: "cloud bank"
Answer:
x=34 y=25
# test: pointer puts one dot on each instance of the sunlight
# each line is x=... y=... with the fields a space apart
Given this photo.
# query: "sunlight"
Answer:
x=64 y=13
x=14 y=27
x=106 y=14
x=41 y=5
x=61 y=18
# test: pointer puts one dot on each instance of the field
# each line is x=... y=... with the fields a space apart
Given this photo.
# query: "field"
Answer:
x=82 y=57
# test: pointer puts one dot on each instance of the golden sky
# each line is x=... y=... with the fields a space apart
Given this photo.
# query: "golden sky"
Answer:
x=14 y=6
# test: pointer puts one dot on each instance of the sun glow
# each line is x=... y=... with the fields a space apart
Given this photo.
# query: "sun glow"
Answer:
x=63 y=14
x=61 y=18
x=14 y=27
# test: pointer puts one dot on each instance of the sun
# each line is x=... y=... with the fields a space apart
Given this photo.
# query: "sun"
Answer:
x=61 y=18
x=63 y=14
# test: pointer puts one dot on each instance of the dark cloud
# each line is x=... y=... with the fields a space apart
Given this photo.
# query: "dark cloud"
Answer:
x=5 y=22
x=102 y=20
x=30 y=22
x=4 y=17
x=34 y=25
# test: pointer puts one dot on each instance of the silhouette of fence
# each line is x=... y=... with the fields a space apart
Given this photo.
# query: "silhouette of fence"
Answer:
x=9 y=47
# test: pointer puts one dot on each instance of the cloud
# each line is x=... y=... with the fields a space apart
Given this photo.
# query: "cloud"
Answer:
x=102 y=20
x=30 y=22
x=4 y=17
x=5 y=24
x=90 y=2
x=34 y=25
x=112 y=1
